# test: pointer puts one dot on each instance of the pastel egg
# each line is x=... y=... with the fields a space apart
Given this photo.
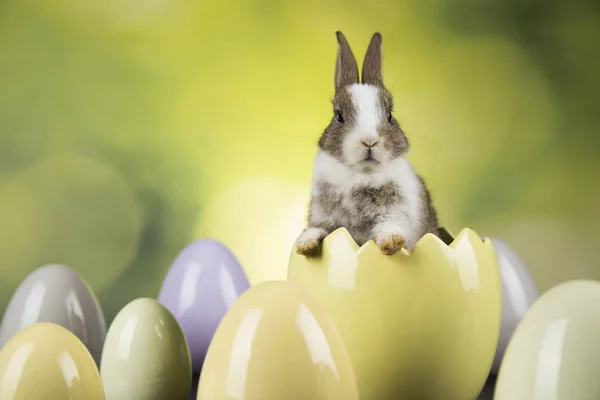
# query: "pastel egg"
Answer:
x=420 y=324
x=46 y=361
x=57 y=294
x=518 y=295
x=554 y=352
x=145 y=355
x=202 y=283
x=277 y=342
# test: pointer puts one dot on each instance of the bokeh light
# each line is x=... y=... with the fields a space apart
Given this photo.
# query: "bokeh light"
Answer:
x=131 y=128
x=68 y=210
x=259 y=219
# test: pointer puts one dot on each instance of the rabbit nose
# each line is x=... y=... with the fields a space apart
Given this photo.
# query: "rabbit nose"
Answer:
x=369 y=143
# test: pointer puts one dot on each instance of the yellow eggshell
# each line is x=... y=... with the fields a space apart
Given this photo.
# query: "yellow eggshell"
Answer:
x=554 y=352
x=45 y=361
x=145 y=355
x=276 y=342
x=422 y=324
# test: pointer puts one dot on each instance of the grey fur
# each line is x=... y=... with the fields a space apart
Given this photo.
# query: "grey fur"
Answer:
x=370 y=209
x=346 y=68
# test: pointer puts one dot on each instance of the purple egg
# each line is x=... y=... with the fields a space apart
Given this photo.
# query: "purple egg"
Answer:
x=518 y=295
x=203 y=282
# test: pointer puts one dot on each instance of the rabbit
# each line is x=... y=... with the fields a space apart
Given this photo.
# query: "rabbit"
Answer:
x=361 y=179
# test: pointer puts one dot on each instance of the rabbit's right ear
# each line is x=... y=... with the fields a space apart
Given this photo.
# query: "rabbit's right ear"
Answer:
x=346 y=68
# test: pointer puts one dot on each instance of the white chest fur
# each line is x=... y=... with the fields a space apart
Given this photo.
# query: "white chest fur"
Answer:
x=403 y=217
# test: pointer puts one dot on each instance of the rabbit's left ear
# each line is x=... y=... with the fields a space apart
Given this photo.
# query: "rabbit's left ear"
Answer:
x=346 y=68
x=372 y=70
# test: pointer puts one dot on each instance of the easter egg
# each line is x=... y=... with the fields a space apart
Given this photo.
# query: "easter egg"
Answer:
x=419 y=324
x=554 y=352
x=203 y=282
x=145 y=355
x=57 y=294
x=277 y=342
x=518 y=294
x=46 y=361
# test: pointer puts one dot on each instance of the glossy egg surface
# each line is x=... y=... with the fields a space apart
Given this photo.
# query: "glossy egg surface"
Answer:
x=518 y=295
x=277 y=342
x=554 y=353
x=145 y=355
x=45 y=361
x=56 y=294
x=422 y=324
x=203 y=282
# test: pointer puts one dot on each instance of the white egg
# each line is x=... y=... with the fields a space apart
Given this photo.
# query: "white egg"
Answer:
x=554 y=352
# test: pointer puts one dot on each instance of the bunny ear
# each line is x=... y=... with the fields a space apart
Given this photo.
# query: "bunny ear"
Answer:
x=346 y=68
x=372 y=70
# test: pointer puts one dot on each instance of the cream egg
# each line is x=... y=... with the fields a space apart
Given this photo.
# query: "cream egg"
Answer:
x=145 y=355
x=420 y=324
x=56 y=294
x=46 y=361
x=277 y=342
x=554 y=353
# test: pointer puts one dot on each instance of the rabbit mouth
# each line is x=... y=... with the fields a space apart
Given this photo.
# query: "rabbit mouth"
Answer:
x=370 y=157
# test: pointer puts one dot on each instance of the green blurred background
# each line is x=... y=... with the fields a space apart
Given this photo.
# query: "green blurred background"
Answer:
x=129 y=128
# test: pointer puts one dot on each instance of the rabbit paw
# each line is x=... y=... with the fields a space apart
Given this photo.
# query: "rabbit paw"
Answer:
x=309 y=242
x=391 y=244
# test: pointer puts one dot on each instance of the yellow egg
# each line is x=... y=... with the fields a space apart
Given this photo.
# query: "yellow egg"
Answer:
x=45 y=361
x=145 y=355
x=554 y=352
x=276 y=342
x=422 y=324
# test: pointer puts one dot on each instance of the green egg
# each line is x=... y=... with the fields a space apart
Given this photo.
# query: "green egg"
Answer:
x=145 y=355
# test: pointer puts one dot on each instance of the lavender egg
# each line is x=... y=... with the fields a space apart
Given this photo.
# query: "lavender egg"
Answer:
x=518 y=295
x=203 y=282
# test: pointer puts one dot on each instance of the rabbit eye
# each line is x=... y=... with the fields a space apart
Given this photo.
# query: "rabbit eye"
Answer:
x=338 y=117
x=390 y=117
